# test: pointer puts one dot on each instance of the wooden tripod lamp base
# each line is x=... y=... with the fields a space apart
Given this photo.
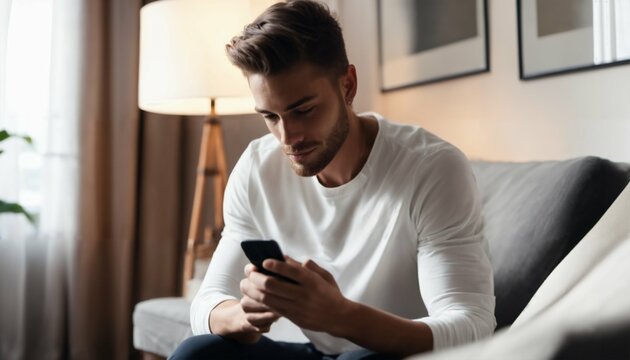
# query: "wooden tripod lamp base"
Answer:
x=211 y=166
x=179 y=74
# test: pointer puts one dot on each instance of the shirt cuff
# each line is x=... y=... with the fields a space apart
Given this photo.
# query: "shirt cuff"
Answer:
x=436 y=330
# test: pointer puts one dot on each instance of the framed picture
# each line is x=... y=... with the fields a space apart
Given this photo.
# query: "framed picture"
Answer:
x=562 y=36
x=424 y=41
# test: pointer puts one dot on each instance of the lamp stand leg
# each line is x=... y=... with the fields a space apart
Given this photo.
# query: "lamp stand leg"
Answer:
x=211 y=164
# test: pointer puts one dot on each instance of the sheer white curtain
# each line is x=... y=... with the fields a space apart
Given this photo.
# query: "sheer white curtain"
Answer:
x=38 y=97
x=611 y=30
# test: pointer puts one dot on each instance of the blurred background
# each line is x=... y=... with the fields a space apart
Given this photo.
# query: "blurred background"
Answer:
x=110 y=187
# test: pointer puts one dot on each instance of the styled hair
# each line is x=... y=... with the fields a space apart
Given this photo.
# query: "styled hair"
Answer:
x=287 y=34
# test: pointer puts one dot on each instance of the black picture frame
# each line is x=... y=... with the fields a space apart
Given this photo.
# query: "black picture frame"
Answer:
x=565 y=47
x=440 y=56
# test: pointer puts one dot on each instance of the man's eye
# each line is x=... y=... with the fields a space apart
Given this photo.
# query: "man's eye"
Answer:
x=304 y=111
x=270 y=117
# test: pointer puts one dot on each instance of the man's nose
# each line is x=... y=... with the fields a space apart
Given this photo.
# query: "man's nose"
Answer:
x=291 y=132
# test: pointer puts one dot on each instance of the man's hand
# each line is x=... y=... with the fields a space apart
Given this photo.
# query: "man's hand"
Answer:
x=245 y=320
x=230 y=320
x=257 y=316
x=315 y=303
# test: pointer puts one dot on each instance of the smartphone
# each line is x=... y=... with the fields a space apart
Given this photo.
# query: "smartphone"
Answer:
x=259 y=250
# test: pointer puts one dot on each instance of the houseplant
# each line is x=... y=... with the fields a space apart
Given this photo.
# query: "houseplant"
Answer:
x=7 y=207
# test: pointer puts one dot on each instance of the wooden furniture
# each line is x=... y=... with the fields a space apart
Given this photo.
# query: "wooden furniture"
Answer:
x=211 y=165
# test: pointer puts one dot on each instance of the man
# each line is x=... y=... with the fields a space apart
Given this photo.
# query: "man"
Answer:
x=381 y=216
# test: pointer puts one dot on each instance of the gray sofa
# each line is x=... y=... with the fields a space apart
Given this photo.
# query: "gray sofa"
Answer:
x=581 y=310
x=534 y=213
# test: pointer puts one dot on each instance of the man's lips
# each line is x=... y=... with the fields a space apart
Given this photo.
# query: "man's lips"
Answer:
x=300 y=154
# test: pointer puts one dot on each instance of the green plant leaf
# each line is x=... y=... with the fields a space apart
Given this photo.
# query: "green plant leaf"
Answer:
x=6 y=207
x=5 y=135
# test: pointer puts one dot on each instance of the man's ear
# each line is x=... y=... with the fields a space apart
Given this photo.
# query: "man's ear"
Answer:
x=349 y=84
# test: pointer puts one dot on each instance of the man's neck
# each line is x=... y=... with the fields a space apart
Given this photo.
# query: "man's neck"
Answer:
x=353 y=153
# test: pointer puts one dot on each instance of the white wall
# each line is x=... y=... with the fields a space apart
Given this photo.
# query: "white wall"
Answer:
x=496 y=116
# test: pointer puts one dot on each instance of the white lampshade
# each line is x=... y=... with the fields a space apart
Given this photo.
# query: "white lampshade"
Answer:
x=182 y=57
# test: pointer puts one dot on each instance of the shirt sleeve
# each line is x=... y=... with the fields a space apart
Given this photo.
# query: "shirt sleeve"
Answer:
x=225 y=272
x=454 y=269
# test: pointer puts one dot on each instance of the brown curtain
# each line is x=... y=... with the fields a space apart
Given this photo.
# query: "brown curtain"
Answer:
x=131 y=207
x=136 y=187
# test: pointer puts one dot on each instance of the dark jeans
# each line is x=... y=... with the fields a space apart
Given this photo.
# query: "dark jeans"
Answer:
x=217 y=347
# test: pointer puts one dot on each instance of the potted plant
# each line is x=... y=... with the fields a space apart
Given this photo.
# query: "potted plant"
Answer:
x=7 y=207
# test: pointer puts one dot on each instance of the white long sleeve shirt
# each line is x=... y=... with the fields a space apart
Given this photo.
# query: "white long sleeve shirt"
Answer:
x=404 y=235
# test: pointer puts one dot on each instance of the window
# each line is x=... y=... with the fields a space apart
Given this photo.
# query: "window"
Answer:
x=25 y=44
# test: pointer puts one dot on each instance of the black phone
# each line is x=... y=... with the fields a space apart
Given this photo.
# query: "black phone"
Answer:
x=259 y=250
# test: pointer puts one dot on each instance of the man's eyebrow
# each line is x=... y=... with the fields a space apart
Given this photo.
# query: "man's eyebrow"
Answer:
x=292 y=106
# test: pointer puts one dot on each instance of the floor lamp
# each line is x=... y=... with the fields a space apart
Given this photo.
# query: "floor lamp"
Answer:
x=184 y=71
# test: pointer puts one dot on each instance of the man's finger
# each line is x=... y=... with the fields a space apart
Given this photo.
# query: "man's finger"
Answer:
x=282 y=306
x=249 y=268
x=291 y=269
x=251 y=328
x=311 y=265
x=272 y=285
x=249 y=305
x=244 y=285
x=291 y=260
x=261 y=319
x=249 y=289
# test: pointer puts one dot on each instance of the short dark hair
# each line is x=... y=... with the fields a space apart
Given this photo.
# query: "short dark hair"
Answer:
x=287 y=34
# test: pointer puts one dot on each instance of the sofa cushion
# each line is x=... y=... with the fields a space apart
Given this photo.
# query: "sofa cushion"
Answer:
x=534 y=214
x=604 y=239
x=581 y=311
x=160 y=325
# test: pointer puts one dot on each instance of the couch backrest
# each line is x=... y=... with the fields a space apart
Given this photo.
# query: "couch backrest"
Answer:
x=535 y=213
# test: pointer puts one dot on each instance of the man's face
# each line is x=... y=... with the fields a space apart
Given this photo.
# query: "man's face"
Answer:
x=305 y=111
